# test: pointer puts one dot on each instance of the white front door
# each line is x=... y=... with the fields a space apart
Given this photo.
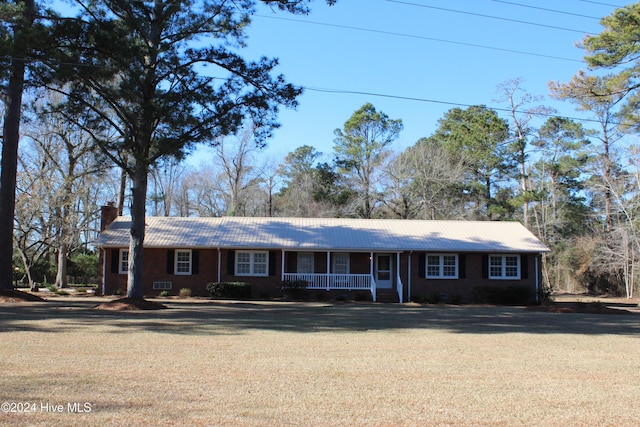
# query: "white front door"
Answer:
x=383 y=271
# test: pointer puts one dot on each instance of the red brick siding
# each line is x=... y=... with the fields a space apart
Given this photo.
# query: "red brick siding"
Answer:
x=261 y=287
x=155 y=269
x=462 y=287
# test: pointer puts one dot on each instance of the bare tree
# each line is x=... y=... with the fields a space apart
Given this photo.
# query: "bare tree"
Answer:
x=238 y=174
x=521 y=114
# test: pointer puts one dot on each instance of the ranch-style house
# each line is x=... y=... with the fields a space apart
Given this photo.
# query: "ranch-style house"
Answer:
x=384 y=259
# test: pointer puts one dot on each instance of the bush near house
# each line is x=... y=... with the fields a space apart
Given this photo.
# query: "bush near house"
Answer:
x=511 y=295
x=238 y=290
x=294 y=289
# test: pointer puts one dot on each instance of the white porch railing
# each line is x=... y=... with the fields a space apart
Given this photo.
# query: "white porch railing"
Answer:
x=335 y=281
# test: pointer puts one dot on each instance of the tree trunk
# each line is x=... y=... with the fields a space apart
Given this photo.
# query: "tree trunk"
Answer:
x=122 y=191
x=135 y=285
x=61 y=273
x=11 y=137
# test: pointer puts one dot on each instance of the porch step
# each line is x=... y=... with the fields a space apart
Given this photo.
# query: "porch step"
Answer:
x=387 y=296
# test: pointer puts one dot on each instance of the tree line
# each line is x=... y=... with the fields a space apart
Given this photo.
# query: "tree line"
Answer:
x=576 y=186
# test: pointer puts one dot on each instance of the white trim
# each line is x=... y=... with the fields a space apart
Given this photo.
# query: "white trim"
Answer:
x=441 y=266
x=333 y=262
x=301 y=255
x=251 y=263
x=162 y=286
x=503 y=267
x=409 y=275
x=175 y=262
x=121 y=261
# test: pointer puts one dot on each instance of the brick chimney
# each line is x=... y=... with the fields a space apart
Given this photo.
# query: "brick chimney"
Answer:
x=109 y=212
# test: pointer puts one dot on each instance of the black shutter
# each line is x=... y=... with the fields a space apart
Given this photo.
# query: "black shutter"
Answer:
x=462 y=266
x=422 y=271
x=171 y=256
x=524 y=266
x=195 y=262
x=231 y=263
x=272 y=262
x=485 y=266
x=115 y=261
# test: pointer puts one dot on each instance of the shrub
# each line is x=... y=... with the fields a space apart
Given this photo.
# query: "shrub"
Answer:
x=237 y=290
x=294 y=289
x=185 y=292
x=164 y=293
x=511 y=295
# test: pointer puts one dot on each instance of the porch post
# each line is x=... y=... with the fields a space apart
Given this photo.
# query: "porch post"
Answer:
x=373 y=291
x=282 y=270
x=328 y=269
x=399 y=285
x=219 y=265
x=409 y=277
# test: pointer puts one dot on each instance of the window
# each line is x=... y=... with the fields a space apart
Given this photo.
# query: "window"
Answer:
x=252 y=263
x=162 y=286
x=123 y=261
x=442 y=266
x=340 y=263
x=183 y=262
x=305 y=262
x=504 y=267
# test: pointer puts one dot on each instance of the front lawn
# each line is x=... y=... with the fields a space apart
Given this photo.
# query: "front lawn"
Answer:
x=202 y=362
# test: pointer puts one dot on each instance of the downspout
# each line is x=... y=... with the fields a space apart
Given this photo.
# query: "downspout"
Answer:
x=219 y=264
x=104 y=271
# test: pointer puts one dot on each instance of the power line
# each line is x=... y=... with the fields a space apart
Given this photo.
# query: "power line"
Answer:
x=434 y=101
x=602 y=4
x=489 y=16
x=546 y=9
x=369 y=30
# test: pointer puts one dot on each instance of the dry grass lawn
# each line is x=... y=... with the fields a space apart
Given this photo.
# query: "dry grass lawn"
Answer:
x=309 y=364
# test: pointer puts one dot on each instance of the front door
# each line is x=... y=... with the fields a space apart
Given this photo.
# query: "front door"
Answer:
x=383 y=271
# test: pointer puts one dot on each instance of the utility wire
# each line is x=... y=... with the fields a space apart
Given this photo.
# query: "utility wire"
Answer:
x=489 y=16
x=602 y=4
x=434 y=101
x=546 y=9
x=369 y=30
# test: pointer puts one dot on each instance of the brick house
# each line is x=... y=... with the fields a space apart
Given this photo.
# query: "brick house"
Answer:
x=387 y=259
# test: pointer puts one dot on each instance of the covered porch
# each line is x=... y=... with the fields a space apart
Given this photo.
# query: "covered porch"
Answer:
x=343 y=271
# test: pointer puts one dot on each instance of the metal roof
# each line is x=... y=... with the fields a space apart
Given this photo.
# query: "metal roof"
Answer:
x=342 y=234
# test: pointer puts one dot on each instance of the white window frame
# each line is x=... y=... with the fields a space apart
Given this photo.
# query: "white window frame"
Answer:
x=178 y=262
x=441 y=257
x=306 y=259
x=123 y=261
x=252 y=263
x=503 y=267
x=345 y=256
x=162 y=286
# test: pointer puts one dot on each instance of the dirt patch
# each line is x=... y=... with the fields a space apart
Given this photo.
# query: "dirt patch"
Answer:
x=586 y=307
x=11 y=295
x=130 y=304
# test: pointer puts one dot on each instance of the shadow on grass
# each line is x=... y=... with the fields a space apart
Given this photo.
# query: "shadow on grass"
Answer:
x=227 y=317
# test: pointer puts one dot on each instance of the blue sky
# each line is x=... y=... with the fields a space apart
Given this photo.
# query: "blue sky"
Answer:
x=417 y=49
